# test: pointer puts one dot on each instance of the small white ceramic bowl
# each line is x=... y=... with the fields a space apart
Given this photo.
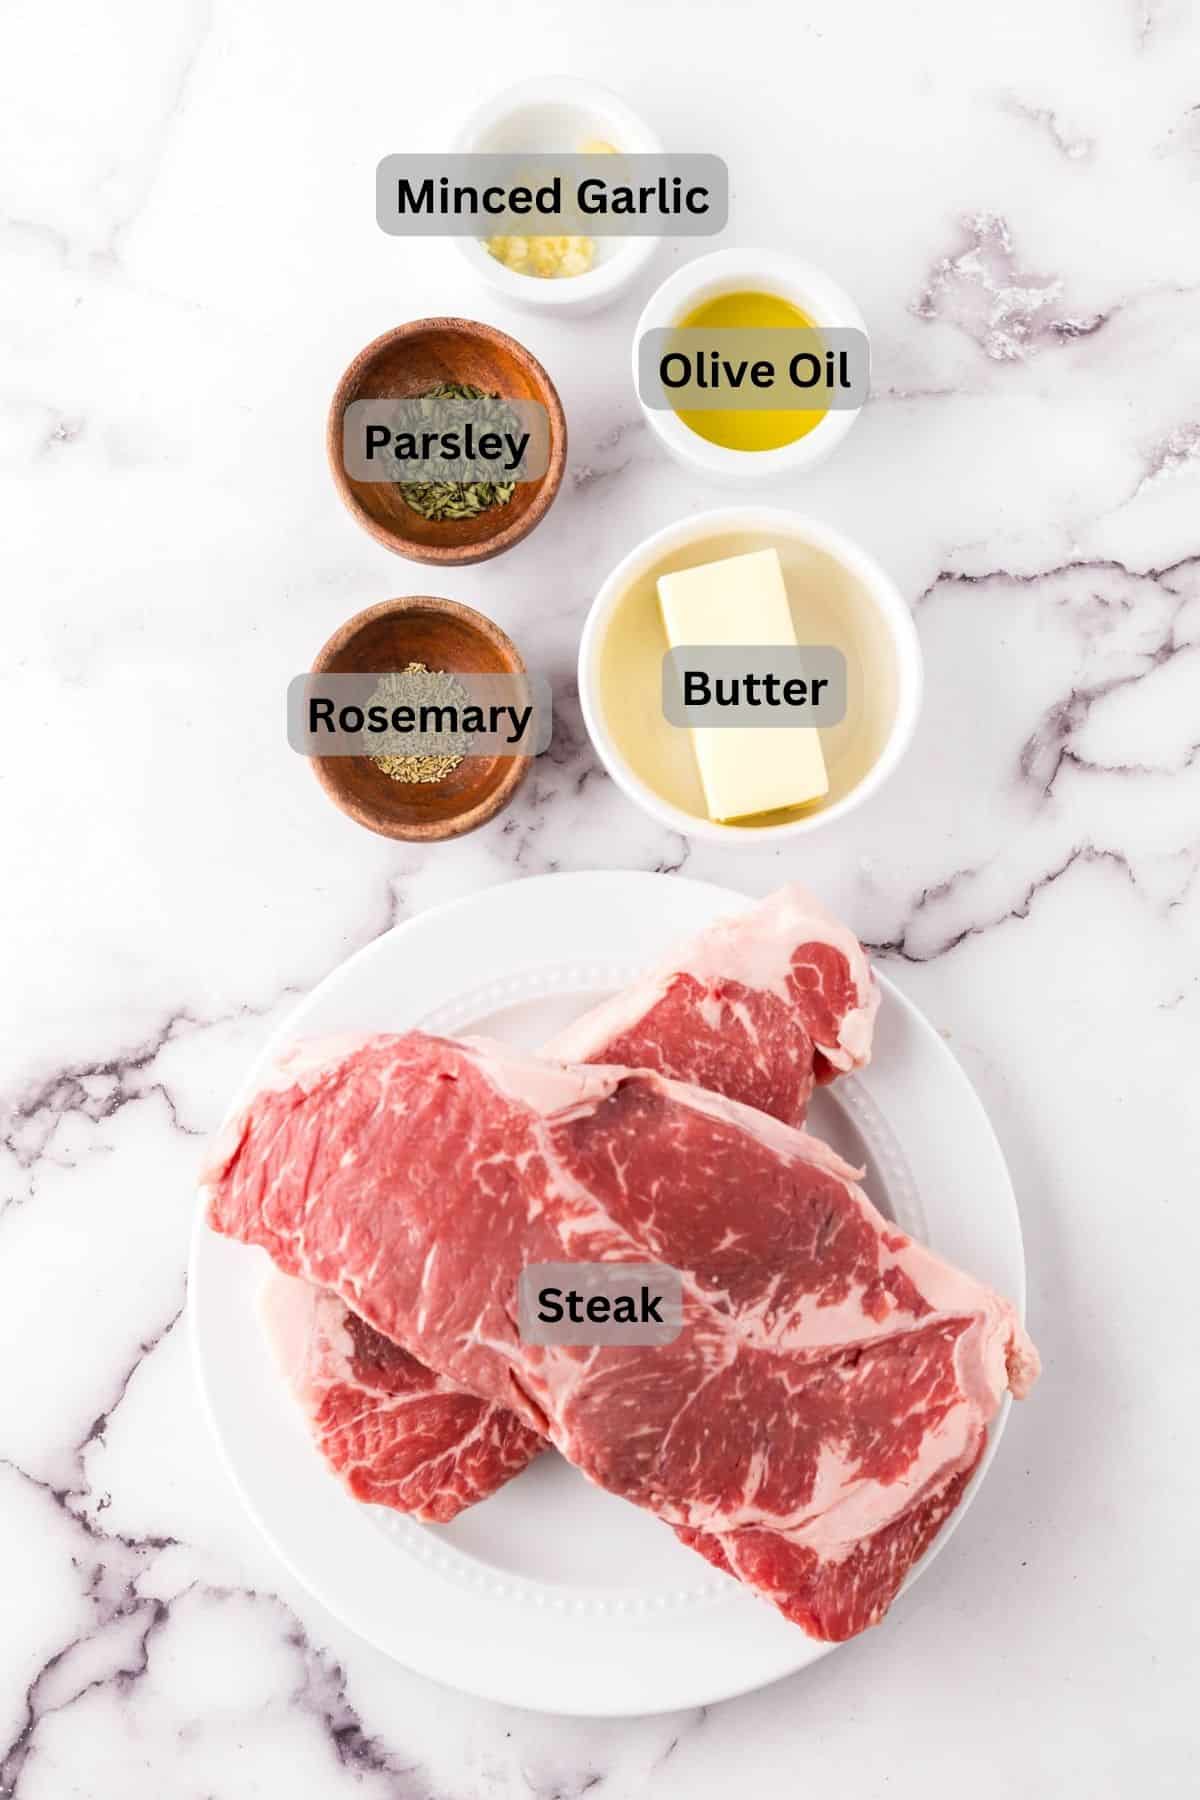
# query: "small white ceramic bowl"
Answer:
x=558 y=114
x=839 y=595
x=753 y=271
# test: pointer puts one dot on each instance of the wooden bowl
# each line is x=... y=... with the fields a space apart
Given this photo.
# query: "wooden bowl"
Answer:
x=442 y=635
x=410 y=360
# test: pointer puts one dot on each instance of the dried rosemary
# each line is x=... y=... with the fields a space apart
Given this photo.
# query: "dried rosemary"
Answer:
x=420 y=756
x=459 y=499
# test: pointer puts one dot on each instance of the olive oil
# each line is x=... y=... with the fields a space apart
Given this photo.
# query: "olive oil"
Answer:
x=749 y=430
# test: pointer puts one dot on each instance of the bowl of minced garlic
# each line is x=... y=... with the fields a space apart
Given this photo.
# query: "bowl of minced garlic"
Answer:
x=428 y=644
x=556 y=115
x=550 y=258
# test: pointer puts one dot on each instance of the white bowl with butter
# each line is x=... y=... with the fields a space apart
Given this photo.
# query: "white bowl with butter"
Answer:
x=557 y=115
x=836 y=594
x=773 y=272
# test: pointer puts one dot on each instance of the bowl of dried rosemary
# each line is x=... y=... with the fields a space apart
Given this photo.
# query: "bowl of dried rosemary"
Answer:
x=423 y=647
x=479 y=388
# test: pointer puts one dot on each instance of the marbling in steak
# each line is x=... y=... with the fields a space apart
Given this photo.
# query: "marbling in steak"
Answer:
x=397 y=1434
x=818 y=1417
x=757 y=1006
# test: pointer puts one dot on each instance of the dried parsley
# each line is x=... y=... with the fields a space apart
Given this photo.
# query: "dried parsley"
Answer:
x=420 y=756
x=449 y=499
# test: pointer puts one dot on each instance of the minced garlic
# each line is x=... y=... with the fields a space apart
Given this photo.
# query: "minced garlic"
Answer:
x=550 y=257
x=547 y=256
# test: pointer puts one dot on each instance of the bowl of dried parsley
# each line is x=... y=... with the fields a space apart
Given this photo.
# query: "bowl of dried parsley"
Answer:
x=455 y=372
x=421 y=647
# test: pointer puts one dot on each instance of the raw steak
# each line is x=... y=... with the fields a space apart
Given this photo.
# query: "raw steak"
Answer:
x=396 y=1433
x=740 y=1010
x=756 y=1008
x=817 y=1418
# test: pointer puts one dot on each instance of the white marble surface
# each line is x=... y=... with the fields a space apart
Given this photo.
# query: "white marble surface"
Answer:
x=190 y=257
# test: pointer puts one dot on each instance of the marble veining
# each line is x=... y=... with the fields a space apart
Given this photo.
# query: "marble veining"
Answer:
x=1010 y=315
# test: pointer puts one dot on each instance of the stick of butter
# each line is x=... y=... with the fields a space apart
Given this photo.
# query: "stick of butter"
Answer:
x=744 y=769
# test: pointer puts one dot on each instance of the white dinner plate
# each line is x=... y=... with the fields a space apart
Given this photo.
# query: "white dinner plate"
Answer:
x=554 y=1594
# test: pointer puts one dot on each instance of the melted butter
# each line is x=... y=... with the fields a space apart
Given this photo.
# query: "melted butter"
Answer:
x=828 y=606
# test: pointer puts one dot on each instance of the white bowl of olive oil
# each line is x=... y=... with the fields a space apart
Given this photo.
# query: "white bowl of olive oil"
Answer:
x=747 y=289
x=554 y=115
x=837 y=595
